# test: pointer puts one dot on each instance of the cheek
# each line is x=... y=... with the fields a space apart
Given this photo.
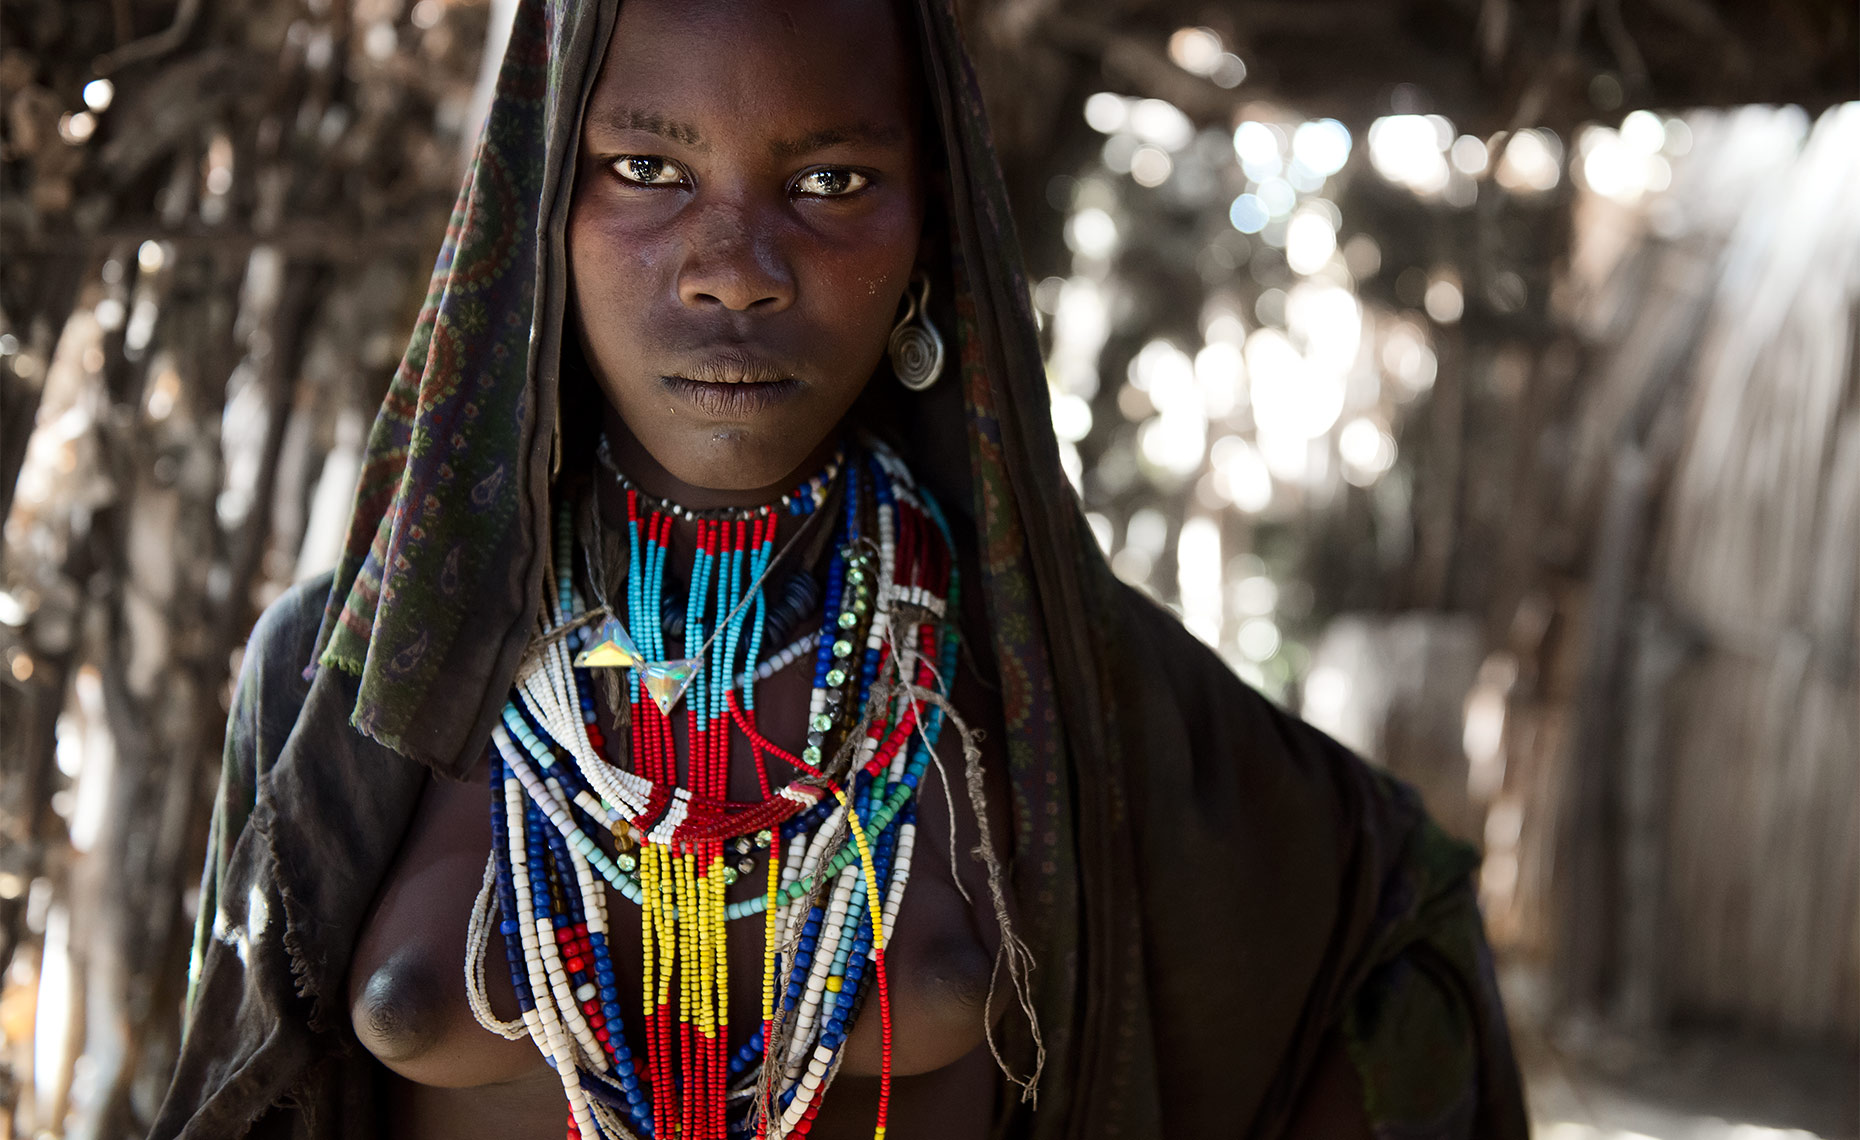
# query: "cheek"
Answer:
x=612 y=266
x=861 y=284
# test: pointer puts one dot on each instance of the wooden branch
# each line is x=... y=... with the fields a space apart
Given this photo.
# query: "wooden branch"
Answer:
x=186 y=14
x=36 y=296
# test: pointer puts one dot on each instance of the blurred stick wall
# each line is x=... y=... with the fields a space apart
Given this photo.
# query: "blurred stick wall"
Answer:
x=1686 y=745
x=217 y=219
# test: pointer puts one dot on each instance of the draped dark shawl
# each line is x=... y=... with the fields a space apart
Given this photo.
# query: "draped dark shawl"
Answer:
x=1210 y=888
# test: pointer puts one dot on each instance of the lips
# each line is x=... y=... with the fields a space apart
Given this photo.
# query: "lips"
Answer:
x=732 y=385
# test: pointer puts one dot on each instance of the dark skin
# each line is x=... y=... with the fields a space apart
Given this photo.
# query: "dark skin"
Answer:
x=748 y=209
x=748 y=212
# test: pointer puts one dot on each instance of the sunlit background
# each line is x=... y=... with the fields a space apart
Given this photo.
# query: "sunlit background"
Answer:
x=1244 y=456
x=1501 y=417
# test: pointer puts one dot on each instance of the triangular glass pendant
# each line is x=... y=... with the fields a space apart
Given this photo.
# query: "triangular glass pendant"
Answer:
x=614 y=649
x=666 y=681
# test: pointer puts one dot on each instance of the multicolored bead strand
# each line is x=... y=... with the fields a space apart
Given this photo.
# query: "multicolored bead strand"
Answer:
x=568 y=824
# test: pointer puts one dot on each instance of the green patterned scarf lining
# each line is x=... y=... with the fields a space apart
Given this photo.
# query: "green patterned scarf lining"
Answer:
x=440 y=575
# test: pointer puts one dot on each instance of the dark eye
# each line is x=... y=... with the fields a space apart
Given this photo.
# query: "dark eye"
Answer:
x=830 y=182
x=648 y=170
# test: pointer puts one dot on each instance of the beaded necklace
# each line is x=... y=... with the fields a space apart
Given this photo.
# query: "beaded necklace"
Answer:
x=802 y=500
x=839 y=837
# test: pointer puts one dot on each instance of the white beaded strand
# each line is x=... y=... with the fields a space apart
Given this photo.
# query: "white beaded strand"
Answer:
x=900 y=873
x=477 y=940
x=838 y=907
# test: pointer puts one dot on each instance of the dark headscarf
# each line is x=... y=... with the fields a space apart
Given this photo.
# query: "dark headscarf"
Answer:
x=1212 y=891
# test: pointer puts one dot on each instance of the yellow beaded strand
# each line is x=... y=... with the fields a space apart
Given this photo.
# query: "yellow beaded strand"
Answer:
x=768 y=940
x=721 y=952
x=872 y=901
x=721 y=981
x=665 y=897
x=649 y=905
x=686 y=950
x=707 y=950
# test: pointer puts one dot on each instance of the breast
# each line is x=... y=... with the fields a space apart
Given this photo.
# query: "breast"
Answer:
x=407 y=1000
x=397 y=1013
x=407 y=992
x=939 y=990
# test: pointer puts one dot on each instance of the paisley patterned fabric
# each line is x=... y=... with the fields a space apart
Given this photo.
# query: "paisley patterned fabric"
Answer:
x=443 y=509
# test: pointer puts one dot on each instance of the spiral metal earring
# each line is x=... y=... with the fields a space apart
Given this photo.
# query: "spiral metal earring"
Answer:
x=916 y=349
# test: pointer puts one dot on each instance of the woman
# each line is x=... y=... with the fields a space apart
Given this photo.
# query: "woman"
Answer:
x=1142 y=900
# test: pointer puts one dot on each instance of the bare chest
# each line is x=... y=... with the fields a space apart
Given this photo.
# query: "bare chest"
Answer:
x=408 y=986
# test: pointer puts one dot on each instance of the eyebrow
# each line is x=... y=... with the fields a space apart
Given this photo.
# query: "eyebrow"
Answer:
x=630 y=119
x=652 y=122
x=871 y=134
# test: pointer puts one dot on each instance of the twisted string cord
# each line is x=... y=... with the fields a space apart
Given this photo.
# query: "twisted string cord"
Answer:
x=477 y=938
x=1013 y=952
x=942 y=773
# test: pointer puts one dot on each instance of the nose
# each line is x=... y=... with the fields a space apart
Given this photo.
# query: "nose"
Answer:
x=733 y=260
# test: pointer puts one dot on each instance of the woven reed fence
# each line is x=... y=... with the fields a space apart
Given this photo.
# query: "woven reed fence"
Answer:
x=1685 y=743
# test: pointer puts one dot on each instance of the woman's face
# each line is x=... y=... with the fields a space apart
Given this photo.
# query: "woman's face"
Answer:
x=747 y=211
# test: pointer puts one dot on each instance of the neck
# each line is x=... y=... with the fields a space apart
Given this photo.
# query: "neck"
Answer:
x=652 y=477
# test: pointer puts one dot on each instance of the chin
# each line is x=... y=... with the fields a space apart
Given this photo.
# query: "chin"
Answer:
x=740 y=458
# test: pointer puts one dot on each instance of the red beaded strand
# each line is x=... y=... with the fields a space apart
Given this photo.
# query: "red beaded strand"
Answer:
x=688 y=1055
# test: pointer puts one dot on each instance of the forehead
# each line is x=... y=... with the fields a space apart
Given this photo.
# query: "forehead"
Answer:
x=691 y=69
